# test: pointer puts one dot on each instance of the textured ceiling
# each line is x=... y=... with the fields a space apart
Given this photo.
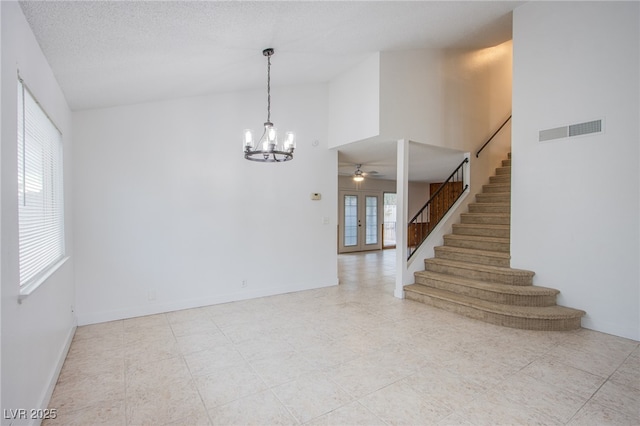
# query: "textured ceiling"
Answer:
x=106 y=53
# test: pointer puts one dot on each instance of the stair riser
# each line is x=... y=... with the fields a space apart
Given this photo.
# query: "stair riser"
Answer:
x=506 y=163
x=480 y=231
x=496 y=187
x=500 y=179
x=494 y=198
x=490 y=296
x=565 y=324
x=489 y=208
x=506 y=278
x=503 y=170
x=486 y=220
x=472 y=258
x=502 y=247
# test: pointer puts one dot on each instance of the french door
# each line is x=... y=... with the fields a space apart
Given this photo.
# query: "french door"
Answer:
x=360 y=225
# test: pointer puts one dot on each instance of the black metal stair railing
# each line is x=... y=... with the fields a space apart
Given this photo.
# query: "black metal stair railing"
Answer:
x=435 y=209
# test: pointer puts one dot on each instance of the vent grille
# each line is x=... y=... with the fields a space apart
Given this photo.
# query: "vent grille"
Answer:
x=571 y=130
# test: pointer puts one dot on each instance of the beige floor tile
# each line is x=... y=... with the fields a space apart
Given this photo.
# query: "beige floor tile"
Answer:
x=354 y=414
x=550 y=370
x=262 y=408
x=594 y=414
x=363 y=376
x=100 y=331
x=105 y=413
x=146 y=351
x=263 y=347
x=620 y=398
x=177 y=401
x=348 y=354
x=228 y=385
x=144 y=322
x=438 y=384
x=211 y=360
x=194 y=326
x=401 y=404
x=87 y=392
x=153 y=375
x=311 y=396
x=628 y=373
x=549 y=400
x=191 y=343
x=282 y=368
x=494 y=409
x=590 y=362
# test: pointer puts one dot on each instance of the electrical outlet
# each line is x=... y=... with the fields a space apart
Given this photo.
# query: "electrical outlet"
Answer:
x=244 y=283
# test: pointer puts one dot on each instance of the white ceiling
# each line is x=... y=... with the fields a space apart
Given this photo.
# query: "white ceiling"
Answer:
x=106 y=53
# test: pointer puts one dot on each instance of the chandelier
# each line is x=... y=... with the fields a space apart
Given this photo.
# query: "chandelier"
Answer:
x=268 y=149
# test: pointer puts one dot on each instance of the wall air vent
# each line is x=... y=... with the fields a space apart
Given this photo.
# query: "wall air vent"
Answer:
x=570 y=130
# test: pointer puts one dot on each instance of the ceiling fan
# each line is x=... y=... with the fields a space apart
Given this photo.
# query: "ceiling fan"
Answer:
x=359 y=175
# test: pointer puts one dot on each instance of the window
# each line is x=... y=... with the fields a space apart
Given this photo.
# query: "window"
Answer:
x=40 y=195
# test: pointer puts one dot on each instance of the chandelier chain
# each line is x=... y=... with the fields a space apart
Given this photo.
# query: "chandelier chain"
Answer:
x=269 y=89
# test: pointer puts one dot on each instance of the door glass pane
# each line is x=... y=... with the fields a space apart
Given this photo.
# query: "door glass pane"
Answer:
x=371 y=220
x=350 y=220
x=389 y=220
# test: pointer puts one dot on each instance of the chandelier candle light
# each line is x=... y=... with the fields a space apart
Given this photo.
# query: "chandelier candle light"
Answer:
x=268 y=150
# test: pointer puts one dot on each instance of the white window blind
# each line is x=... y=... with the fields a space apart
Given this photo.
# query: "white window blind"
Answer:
x=40 y=190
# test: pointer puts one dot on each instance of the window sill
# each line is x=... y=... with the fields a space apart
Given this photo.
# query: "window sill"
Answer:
x=27 y=289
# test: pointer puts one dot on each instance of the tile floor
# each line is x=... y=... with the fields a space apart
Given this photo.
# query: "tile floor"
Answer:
x=346 y=355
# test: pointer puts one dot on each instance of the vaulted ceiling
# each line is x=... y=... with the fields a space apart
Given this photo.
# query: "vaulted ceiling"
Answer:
x=106 y=53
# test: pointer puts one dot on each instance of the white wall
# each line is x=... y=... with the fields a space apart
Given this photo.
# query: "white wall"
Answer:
x=354 y=103
x=575 y=209
x=170 y=215
x=411 y=96
x=36 y=333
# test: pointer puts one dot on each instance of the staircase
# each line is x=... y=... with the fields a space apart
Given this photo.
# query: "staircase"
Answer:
x=471 y=274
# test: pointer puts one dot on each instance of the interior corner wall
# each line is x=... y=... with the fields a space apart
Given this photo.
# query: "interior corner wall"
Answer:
x=169 y=214
x=354 y=103
x=575 y=201
x=36 y=333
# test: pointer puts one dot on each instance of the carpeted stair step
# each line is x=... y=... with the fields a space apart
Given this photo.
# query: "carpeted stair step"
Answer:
x=498 y=197
x=483 y=257
x=498 y=293
x=482 y=230
x=476 y=271
x=496 y=187
x=548 y=318
x=486 y=218
x=500 y=179
x=478 y=243
x=503 y=170
x=489 y=208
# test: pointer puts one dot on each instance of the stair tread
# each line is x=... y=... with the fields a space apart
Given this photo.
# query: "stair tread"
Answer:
x=489 y=214
x=481 y=225
x=537 y=312
x=477 y=238
x=476 y=252
x=480 y=267
x=527 y=290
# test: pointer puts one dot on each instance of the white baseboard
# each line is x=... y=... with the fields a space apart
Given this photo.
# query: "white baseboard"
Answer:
x=53 y=378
